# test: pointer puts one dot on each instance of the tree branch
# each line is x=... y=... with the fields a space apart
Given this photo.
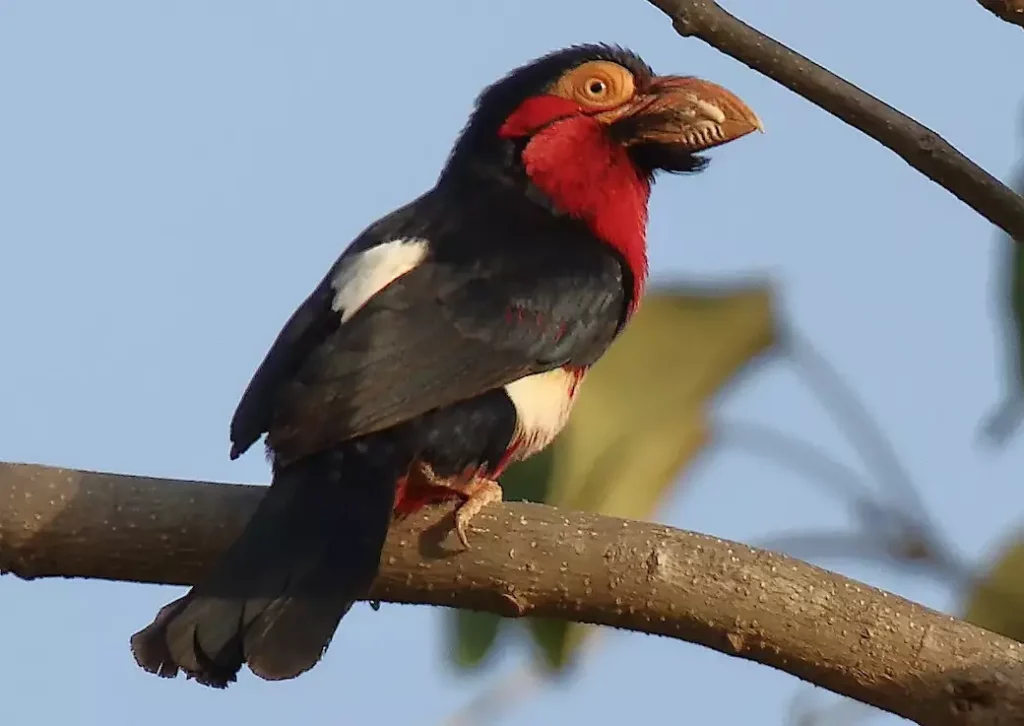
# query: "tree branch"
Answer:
x=918 y=145
x=1012 y=11
x=529 y=559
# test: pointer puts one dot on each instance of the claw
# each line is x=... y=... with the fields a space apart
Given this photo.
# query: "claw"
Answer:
x=460 y=530
x=479 y=492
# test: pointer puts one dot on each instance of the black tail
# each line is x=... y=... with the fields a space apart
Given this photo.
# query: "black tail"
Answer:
x=276 y=596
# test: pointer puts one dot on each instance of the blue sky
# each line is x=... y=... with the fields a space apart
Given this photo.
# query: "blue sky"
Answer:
x=176 y=176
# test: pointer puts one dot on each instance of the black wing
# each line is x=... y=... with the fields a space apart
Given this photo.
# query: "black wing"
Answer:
x=309 y=326
x=446 y=331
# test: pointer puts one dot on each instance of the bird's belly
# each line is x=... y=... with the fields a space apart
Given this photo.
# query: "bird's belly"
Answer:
x=543 y=403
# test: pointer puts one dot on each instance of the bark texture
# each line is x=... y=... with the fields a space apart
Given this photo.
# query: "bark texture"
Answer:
x=529 y=559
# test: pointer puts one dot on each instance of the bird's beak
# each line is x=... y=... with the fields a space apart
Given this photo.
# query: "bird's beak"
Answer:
x=684 y=114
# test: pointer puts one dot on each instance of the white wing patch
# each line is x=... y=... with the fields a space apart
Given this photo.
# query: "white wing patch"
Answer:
x=366 y=273
x=543 y=402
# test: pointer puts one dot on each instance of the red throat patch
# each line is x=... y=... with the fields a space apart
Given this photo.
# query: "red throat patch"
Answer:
x=587 y=175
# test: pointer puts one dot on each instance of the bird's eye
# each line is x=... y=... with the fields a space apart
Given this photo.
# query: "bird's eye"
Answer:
x=597 y=85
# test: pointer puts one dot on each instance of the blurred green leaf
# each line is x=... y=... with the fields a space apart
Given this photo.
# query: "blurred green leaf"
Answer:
x=639 y=420
x=996 y=602
x=557 y=642
x=473 y=634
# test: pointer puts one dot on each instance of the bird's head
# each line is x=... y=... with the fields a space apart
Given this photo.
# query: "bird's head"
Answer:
x=589 y=126
x=660 y=121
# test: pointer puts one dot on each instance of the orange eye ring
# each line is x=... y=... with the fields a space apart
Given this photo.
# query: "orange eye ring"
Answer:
x=597 y=85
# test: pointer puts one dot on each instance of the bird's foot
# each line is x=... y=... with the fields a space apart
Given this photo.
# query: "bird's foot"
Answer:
x=477 y=491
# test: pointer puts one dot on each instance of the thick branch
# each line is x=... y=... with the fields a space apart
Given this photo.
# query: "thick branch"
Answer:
x=918 y=145
x=531 y=559
x=1012 y=11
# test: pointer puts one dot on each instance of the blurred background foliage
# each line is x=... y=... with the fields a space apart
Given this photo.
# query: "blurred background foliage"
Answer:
x=996 y=599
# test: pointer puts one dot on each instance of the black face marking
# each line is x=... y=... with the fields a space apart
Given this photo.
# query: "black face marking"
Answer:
x=650 y=158
x=653 y=157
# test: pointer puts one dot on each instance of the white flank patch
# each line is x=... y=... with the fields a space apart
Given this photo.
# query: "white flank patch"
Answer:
x=364 y=274
x=543 y=402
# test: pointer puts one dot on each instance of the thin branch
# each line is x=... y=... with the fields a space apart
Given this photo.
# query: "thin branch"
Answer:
x=795 y=454
x=918 y=145
x=531 y=559
x=902 y=522
x=852 y=416
x=886 y=529
x=1012 y=11
x=887 y=532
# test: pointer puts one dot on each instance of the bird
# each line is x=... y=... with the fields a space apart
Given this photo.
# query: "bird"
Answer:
x=447 y=341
